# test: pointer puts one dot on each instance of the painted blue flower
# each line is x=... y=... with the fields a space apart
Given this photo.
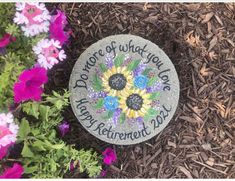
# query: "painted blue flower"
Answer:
x=110 y=103
x=141 y=81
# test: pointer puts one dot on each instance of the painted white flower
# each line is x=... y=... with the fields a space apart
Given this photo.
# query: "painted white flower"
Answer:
x=33 y=17
x=49 y=53
x=8 y=129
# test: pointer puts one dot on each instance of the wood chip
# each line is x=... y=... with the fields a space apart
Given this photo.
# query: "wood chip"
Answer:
x=207 y=17
x=185 y=171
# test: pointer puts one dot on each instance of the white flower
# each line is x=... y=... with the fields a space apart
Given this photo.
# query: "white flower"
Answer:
x=8 y=129
x=49 y=53
x=33 y=18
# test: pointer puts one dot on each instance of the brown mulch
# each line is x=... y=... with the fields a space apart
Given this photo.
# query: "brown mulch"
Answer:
x=199 y=142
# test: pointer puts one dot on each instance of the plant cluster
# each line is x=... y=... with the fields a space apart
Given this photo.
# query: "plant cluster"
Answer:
x=36 y=34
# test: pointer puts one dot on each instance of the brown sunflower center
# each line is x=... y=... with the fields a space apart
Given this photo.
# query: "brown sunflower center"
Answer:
x=134 y=101
x=117 y=81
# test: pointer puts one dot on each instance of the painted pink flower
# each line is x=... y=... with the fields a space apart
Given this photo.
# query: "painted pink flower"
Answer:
x=6 y=40
x=33 y=17
x=8 y=133
x=109 y=156
x=13 y=172
x=49 y=53
x=30 y=84
x=58 y=23
x=64 y=128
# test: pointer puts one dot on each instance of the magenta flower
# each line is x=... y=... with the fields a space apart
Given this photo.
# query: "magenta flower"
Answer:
x=6 y=40
x=3 y=151
x=64 y=128
x=29 y=85
x=58 y=23
x=103 y=173
x=14 y=172
x=109 y=156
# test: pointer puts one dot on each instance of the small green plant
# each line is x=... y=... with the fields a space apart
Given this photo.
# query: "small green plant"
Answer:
x=44 y=155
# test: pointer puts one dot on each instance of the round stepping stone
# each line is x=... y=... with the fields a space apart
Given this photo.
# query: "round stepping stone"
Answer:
x=124 y=89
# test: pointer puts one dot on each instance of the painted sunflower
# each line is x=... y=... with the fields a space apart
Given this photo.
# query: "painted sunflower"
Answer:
x=117 y=81
x=135 y=103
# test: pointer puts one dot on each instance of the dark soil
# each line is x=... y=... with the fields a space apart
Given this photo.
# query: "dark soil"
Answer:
x=199 y=142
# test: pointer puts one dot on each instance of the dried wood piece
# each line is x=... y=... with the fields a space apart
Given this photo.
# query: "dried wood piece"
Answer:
x=185 y=171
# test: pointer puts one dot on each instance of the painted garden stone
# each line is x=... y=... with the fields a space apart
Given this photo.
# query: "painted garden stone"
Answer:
x=124 y=89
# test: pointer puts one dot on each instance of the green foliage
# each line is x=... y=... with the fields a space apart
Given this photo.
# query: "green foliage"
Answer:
x=150 y=114
x=8 y=76
x=151 y=81
x=44 y=155
x=154 y=95
x=97 y=83
x=13 y=29
x=119 y=60
x=99 y=103
x=122 y=118
x=58 y=100
x=133 y=65
x=146 y=71
x=103 y=68
x=7 y=11
x=108 y=115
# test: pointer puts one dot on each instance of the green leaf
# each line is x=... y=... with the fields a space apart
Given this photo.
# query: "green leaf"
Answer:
x=133 y=65
x=154 y=95
x=31 y=108
x=99 y=104
x=28 y=170
x=24 y=129
x=146 y=71
x=151 y=81
x=97 y=83
x=44 y=111
x=122 y=118
x=118 y=61
x=150 y=114
x=39 y=145
x=103 y=68
x=26 y=152
x=108 y=115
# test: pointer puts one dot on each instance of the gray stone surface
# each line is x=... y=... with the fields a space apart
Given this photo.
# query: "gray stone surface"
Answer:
x=81 y=82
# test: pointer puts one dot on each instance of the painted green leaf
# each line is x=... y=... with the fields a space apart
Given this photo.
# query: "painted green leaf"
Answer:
x=146 y=71
x=99 y=104
x=133 y=65
x=24 y=129
x=122 y=118
x=151 y=81
x=154 y=96
x=119 y=60
x=97 y=83
x=108 y=115
x=103 y=68
x=150 y=114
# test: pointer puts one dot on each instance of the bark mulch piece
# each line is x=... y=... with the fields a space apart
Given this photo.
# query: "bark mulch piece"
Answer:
x=200 y=40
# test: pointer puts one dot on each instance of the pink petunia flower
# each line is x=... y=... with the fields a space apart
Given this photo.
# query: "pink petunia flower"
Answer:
x=13 y=172
x=109 y=156
x=49 y=53
x=33 y=17
x=58 y=23
x=6 y=40
x=8 y=133
x=30 y=85
x=64 y=128
x=103 y=173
